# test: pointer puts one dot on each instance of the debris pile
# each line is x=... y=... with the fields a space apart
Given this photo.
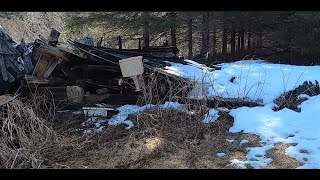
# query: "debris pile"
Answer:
x=80 y=73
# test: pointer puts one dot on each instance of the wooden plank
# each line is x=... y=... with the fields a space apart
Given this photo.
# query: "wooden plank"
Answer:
x=71 y=49
x=9 y=63
x=41 y=66
x=11 y=79
x=3 y=69
x=51 y=67
x=47 y=49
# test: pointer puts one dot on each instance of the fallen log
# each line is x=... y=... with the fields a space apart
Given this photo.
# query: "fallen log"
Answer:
x=230 y=103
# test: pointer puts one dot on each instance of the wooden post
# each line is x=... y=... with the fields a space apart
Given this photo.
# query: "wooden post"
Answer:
x=119 y=42
x=53 y=37
x=100 y=42
x=139 y=45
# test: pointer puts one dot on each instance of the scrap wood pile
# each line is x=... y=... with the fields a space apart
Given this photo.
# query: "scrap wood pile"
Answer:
x=14 y=61
x=79 y=72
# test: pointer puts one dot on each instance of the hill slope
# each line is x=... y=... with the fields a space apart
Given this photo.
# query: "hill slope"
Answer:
x=29 y=25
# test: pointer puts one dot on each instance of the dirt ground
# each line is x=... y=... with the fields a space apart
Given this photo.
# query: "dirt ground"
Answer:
x=162 y=146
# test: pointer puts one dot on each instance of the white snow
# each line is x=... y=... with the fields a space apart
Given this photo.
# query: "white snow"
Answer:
x=236 y=162
x=223 y=109
x=285 y=126
x=211 y=116
x=243 y=141
x=174 y=105
x=88 y=131
x=229 y=140
x=302 y=96
x=254 y=79
x=221 y=154
x=124 y=111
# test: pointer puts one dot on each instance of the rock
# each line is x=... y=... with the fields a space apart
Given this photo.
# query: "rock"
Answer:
x=75 y=94
x=304 y=151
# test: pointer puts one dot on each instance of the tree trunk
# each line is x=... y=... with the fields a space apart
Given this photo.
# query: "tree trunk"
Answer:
x=205 y=32
x=249 y=40
x=224 y=39
x=190 y=44
x=233 y=40
x=173 y=29
x=146 y=35
x=253 y=46
x=238 y=43
x=259 y=40
x=214 y=41
x=242 y=40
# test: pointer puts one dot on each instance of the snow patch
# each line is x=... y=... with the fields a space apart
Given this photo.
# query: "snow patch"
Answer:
x=237 y=163
x=302 y=96
x=221 y=154
x=124 y=111
x=211 y=116
x=224 y=109
x=254 y=79
x=243 y=141
x=284 y=126
x=229 y=140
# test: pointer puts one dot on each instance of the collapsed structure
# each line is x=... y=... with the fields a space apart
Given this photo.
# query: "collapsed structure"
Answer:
x=80 y=72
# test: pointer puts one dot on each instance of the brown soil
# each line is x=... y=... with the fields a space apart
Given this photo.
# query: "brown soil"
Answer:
x=280 y=159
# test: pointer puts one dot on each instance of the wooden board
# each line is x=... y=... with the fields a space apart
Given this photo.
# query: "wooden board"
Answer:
x=41 y=66
x=3 y=69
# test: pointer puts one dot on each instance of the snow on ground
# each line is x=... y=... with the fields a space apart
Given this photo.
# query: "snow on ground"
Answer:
x=229 y=140
x=221 y=154
x=285 y=126
x=211 y=116
x=254 y=79
x=125 y=110
x=122 y=116
x=259 y=80
x=243 y=141
x=236 y=162
x=224 y=109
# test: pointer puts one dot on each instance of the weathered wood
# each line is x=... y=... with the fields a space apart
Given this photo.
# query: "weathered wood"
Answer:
x=42 y=65
x=105 y=68
x=11 y=79
x=26 y=57
x=139 y=44
x=54 y=35
x=51 y=67
x=3 y=68
x=47 y=49
x=119 y=42
x=102 y=91
x=70 y=49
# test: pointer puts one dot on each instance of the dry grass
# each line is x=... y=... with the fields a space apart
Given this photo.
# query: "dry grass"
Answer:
x=22 y=133
x=280 y=159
